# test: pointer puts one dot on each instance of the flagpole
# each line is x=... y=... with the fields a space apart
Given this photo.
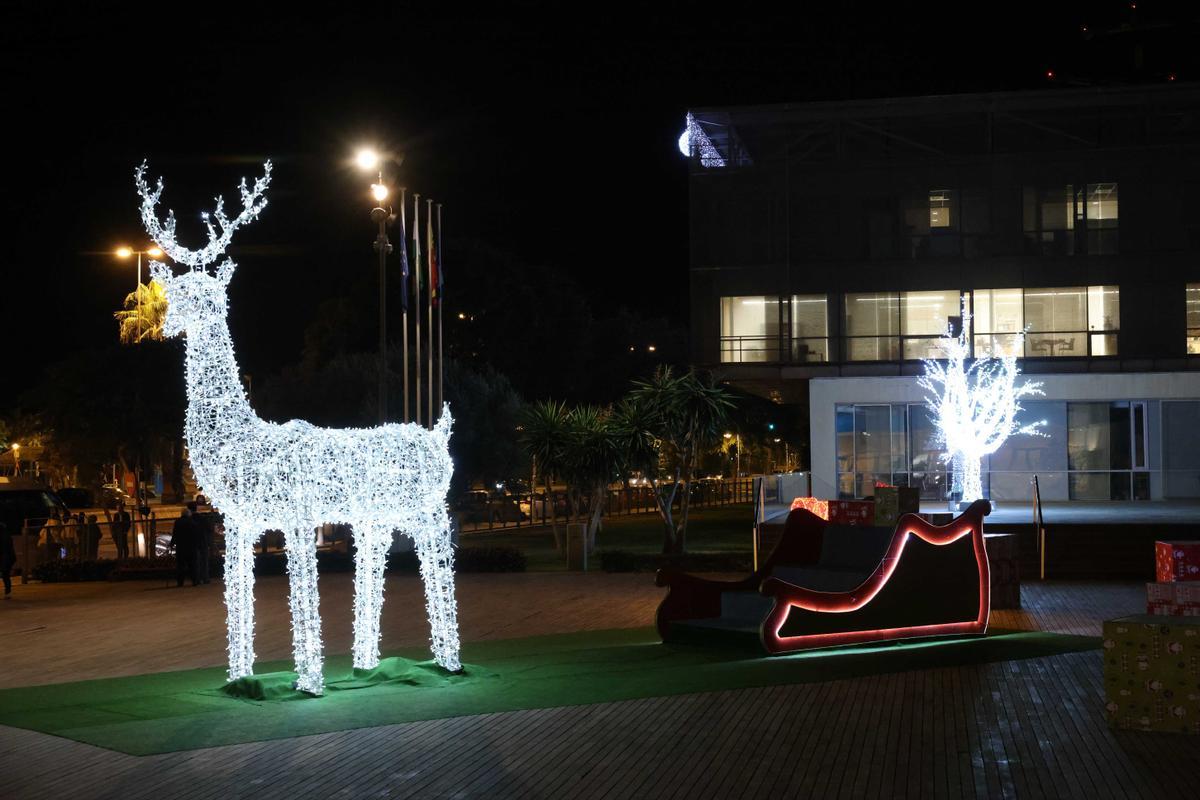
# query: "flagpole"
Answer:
x=404 y=297
x=429 y=300
x=417 y=297
x=441 y=398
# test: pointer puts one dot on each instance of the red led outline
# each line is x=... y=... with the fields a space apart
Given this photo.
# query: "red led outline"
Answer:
x=788 y=595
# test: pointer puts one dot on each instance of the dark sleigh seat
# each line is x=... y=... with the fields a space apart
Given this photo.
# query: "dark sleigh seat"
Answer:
x=826 y=585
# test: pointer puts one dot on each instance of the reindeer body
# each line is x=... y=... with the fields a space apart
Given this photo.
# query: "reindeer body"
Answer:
x=294 y=476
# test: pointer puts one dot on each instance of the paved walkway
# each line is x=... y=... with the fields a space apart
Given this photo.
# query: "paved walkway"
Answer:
x=1029 y=728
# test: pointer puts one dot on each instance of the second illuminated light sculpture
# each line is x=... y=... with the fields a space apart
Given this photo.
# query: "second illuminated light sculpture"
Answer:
x=975 y=404
x=295 y=476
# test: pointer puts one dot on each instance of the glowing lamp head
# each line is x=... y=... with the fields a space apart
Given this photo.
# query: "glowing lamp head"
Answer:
x=685 y=143
x=366 y=159
x=154 y=252
x=124 y=252
x=379 y=192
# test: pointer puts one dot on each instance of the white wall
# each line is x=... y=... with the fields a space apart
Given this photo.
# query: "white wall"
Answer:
x=826 y=393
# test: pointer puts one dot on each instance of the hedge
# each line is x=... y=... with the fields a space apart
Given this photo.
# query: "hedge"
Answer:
x=466 y=559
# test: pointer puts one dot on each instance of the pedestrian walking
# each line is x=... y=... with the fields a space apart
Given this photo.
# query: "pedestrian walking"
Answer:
x=8 y=557
x=205 y=541
x=185 y=536
x=91 y=538
x=50 y=537
x=120 y=531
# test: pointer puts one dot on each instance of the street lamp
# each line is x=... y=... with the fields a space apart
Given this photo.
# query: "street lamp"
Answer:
x=16 y=449
x=125 y=252
x=368 y=160
x=737 y=437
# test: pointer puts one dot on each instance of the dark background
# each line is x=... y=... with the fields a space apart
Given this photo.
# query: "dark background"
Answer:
x=548 y=131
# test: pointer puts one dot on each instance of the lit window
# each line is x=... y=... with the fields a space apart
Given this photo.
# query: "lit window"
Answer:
x=873 y=326
x=999 y=320
x=751 y=329
x=1066 y=219
x=1193 y=318
x=940 y=203
x=924 y=319
x=810 y=327
x=1064 y=321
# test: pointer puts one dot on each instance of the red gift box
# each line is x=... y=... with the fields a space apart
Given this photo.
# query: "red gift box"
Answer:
x=852 y=512
x=1177 y=561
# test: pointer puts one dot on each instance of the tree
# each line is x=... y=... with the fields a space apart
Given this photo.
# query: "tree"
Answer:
x=974 y=405
x=142 y=318
x=486 y=412
x=667 y=422
x=584 y=448
x=544 y=437
x=115 y=404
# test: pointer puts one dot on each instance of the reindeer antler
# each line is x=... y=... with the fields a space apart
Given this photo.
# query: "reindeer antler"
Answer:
x=163 y=233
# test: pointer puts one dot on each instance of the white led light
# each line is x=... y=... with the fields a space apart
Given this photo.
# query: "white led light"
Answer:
x=974 y=405
x=295 y=476
x=694 y=139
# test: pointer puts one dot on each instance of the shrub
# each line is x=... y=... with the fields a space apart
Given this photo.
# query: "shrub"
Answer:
x=466 y=559
x=489 y=559
x=625 y=561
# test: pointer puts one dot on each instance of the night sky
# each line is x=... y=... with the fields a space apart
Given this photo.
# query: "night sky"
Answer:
x=549 y=135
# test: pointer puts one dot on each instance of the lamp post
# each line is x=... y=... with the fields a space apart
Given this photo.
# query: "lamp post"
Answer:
x=125 y=252
x=370 y=161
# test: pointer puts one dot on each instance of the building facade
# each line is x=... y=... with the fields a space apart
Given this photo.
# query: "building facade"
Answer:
x=833 y=243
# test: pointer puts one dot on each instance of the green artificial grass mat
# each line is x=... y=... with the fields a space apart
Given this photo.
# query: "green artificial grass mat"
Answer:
x=190 y=709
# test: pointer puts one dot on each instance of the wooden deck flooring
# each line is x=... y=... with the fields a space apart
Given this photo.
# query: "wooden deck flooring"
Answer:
x=1030 y=728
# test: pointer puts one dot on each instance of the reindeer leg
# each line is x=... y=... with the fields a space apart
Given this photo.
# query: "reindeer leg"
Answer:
x=371 y=545
x=239 y=597
x=306 y=613
x=437 y=571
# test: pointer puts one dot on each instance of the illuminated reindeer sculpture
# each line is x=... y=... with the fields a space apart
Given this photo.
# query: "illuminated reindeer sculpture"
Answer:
x=295 y=476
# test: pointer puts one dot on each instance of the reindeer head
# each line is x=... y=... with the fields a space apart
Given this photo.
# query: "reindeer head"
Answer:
x=198 y=294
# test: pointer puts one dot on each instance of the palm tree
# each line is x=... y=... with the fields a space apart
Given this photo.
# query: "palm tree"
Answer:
x=580 y=446
x=544 y=436
x=593 y=459
x=667 y=423
x=145 y=310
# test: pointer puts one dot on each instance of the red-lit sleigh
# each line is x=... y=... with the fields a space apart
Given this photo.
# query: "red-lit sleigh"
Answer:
x=826 y=585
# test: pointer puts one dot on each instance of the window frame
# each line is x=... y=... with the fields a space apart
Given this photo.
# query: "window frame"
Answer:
x=1079 y=235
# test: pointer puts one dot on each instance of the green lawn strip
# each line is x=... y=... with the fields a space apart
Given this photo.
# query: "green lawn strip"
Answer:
x=188 y=710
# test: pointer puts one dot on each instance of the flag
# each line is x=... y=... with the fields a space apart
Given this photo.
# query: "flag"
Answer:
x=434 y=280
x=441 y=265
x=403 y=261
x=416 y=237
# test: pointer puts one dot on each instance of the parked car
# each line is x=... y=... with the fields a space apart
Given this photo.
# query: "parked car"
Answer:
x=479 y=506
x=22 y=500
x=111 y=494
x=75 y=497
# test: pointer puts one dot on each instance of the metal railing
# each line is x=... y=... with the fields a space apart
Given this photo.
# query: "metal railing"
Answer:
x=42 y=542
x=537 y=509
x=1039 y=527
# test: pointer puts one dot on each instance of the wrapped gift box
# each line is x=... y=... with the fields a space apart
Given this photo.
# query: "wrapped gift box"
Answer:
x=1171 y=595
x=1173 y=610
x=852 y=512
x=1152 y=673
x=1177 y=561
x=893 y=502
x=818 y=507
